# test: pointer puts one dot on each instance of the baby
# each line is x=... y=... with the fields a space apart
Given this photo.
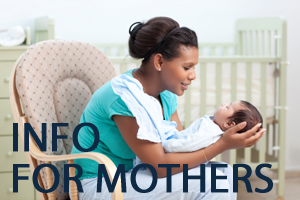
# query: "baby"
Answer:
x=207 y=130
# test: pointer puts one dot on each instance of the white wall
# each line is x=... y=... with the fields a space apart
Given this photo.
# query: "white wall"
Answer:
x=213 y=21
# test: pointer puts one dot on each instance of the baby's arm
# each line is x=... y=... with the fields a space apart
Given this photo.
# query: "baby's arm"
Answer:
x=198 y=135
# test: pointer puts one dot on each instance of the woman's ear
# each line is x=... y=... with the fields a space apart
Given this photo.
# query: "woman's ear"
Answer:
x=229 y=124
x=158 y=61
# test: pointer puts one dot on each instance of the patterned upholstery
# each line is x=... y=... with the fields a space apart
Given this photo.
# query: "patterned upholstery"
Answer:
x=55 y=80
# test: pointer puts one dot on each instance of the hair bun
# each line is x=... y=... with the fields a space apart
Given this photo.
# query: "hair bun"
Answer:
x=135 y=29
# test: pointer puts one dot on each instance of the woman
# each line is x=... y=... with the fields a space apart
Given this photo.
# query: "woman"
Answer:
x=169 y=56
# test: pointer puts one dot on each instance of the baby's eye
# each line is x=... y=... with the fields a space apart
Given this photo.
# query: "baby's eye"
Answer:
x=186 y=68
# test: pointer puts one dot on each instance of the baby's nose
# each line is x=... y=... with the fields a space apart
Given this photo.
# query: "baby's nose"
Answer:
x=224 y=104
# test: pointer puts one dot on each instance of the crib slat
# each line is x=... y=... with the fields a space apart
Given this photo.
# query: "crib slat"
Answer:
x=218 y=85
x=269 y=41
x=213 y=51
x=250 y=36
x=200 y=49
x=247 y=151
x=256 y=43
x=244 y=43
x=233 y=81
x=263 y=43
x=123 y=67
x=263 y=107
x=277 y=45
x=203 y=89
x=122 y=51
x=233 y=86
x=240 y=44
x=187 y=107
x=249 y=81
x=225 y=51
x=218 y=92
x=108 y=51
x=282 y=116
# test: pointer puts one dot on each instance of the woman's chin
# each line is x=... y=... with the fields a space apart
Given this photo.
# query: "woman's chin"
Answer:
x=179 y=93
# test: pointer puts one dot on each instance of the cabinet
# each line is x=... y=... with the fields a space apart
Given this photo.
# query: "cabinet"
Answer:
x=8 y=56
x=44 y=30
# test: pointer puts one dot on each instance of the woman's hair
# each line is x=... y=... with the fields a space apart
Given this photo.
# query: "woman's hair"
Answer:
x=250 y=114
x=153 y=31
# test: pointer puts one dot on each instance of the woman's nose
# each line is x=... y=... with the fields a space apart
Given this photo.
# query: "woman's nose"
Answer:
x=224 y=104
x=192 y=76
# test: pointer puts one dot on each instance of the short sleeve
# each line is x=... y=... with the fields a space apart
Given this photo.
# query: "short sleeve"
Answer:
x=174 y=103
x=169 y=103
x=118 y=107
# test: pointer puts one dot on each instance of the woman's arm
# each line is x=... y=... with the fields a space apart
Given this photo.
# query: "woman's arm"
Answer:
x=174 y=117
x=153 y=153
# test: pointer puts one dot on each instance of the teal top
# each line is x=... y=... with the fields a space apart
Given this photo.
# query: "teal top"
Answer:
x=99 y=111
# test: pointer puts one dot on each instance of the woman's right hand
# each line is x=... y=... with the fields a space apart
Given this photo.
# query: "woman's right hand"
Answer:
x=233 y=140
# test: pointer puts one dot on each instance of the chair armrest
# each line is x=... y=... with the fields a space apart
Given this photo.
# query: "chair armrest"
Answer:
x=98 y=157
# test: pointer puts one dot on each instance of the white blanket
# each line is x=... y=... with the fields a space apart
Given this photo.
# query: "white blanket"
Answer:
x=152 y=127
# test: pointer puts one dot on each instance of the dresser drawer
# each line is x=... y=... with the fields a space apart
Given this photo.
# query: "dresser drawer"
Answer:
x=11 y=53
x=8 y=157
x=6 y=118
x=5 y=68
x=25 y=187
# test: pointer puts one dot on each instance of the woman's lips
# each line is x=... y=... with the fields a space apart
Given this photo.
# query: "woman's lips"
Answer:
x=184 y=86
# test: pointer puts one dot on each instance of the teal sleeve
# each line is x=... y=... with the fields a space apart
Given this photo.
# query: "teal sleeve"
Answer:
x=174 y=103
x=118 y=107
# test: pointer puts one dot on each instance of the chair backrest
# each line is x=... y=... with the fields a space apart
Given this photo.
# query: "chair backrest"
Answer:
x=55 y=80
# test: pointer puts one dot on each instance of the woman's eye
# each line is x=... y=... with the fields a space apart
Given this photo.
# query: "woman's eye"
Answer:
x=186 y=68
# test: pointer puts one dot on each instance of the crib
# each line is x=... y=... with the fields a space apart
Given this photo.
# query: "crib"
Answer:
x=253 y=68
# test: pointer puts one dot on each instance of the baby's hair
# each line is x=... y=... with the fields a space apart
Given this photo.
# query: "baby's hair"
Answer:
x=250 y=114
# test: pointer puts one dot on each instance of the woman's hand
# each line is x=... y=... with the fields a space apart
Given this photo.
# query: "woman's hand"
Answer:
x=233 y=140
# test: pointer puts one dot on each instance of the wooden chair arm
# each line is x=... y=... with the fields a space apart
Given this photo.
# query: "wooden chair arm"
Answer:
x=98 y=157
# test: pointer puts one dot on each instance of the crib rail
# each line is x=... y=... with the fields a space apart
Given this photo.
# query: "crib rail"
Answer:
x=205 y=49
x=124 y=64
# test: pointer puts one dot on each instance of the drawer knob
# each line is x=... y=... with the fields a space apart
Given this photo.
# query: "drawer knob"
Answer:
x=10 y=190
x=6 y=80
x=9 y=153
x=8 y=116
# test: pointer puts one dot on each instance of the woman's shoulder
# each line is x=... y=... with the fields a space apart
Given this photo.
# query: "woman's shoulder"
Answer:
x=106 y=93
x=109 y=102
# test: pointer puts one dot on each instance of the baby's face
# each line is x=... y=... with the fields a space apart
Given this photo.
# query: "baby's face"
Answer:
x=224 y=112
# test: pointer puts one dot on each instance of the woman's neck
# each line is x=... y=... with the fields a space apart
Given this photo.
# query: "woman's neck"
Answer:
x=150 y=80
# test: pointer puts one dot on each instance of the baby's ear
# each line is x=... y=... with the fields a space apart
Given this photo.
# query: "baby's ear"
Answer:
x=229 y=124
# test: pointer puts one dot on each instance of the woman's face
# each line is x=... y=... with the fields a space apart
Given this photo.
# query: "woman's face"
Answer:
x=179 y=72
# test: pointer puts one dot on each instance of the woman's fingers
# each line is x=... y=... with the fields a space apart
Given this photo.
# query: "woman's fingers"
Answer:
x=255 y=138
x=238 y=127
x=252 y=131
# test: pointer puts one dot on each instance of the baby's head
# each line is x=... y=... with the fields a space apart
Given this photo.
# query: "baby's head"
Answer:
x=229 y=115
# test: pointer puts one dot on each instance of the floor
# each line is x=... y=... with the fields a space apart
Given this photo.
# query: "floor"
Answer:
x=292 y=190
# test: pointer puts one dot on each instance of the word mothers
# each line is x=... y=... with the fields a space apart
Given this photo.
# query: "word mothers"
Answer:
x=121 y=168
x=121 y=173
